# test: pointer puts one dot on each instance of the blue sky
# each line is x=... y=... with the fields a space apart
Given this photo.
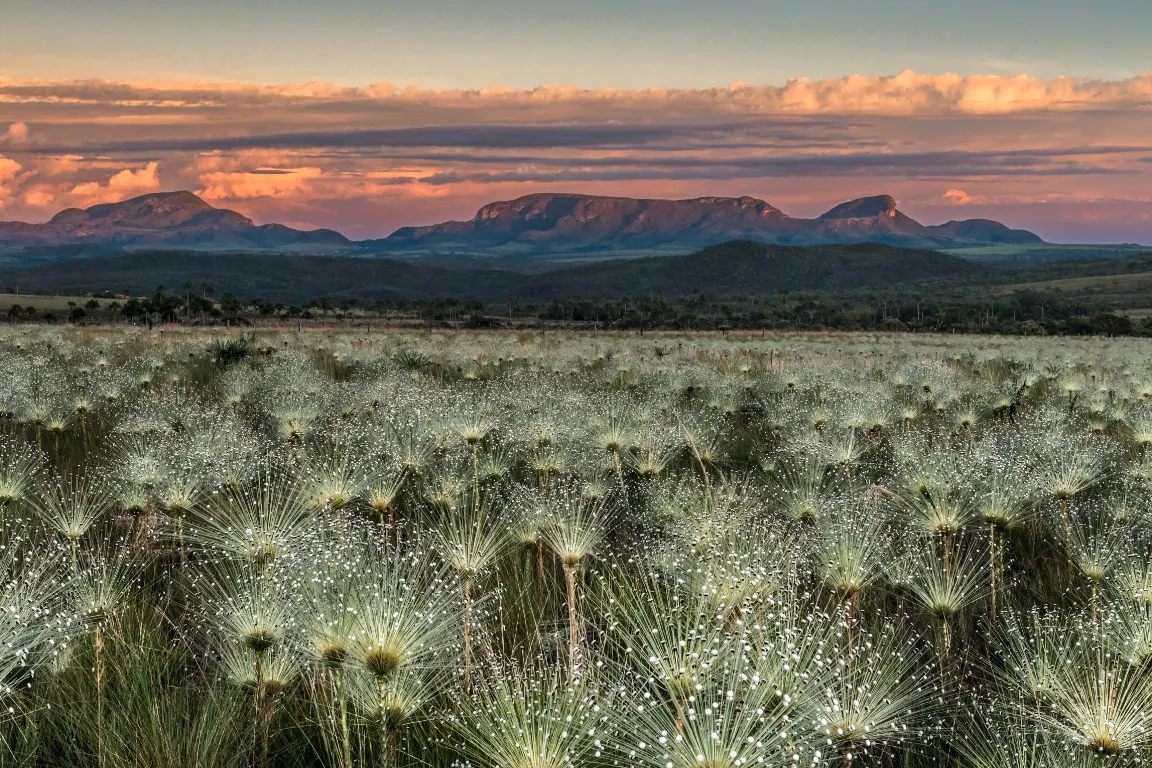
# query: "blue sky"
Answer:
x=594 y=43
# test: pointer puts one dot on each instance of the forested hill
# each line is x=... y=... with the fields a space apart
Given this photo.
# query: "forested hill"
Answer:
x=729 y=268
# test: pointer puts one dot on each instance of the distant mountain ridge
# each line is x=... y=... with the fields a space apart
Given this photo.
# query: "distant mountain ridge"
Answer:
x=533 y=225
x=569 y=222
x=177 y=220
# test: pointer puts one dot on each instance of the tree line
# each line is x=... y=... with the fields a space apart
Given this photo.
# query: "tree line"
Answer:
x=1021 y=312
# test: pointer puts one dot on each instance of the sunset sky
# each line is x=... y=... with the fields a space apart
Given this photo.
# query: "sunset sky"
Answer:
x=365 y=116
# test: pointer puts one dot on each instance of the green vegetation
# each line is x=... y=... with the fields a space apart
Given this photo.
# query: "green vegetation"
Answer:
x=738 y=266
x=521 y=549
x=1033 y=253
x=735 y=285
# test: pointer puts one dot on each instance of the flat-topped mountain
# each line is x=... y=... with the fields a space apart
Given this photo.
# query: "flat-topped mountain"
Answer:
x=534 y=225
x=580 y=220
x=572 y=223
x=167 y=220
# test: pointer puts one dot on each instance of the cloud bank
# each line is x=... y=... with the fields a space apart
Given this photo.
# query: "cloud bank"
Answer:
x=1066 y=157
x=905 y=93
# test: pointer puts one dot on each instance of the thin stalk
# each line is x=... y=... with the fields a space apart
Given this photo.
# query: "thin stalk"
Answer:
x=947 y=639
x=573 y=624
x=467 y=635
x=993 y=569
x=345 y=736
x=948 y=554
x=476 y=475
x=258 y=703
x=180 y=533
x=384 y=748
x=98 y=646
x=539 y=567
x=620 y=474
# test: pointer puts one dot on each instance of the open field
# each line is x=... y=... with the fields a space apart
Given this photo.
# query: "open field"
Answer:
x=1121 y=290
x=541 y=550
x=43 y=302
x=1045 y=252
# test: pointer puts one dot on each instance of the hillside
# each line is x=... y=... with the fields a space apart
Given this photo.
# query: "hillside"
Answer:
x=736 y=267
x=742 y=267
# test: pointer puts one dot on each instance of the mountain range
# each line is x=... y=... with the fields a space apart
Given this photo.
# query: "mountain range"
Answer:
x=534 y=225
x=544 y=223
x=170 y=220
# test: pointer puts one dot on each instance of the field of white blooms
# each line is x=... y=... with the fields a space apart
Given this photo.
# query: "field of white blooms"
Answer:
x=550 y=550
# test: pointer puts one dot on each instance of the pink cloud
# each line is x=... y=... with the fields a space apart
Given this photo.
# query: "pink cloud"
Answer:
x=40 y=196
x=127 y=183
x=960 y=197
x=59 y=165
x=16 y=135
x=11 y=174
x=260 y=182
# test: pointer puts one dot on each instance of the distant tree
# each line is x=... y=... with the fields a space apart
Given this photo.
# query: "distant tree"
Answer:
x=229 y=305
x=133 y=308
x=92 y=305
x=1111 y=324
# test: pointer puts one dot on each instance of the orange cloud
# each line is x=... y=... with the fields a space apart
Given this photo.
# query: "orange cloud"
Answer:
x=960 y=197
x=259 y=182
x=59 y=165
x=11 y=173
x=40 y=196
x=124 y=184
x=16 y=135
x=905 y=93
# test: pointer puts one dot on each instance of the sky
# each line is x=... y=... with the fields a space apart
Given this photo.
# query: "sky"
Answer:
x=366 y=116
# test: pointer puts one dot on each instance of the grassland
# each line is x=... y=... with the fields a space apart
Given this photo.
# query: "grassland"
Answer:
x=1127 y=291
x=1046 y=252
x=543 y=550
x=45 y=302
